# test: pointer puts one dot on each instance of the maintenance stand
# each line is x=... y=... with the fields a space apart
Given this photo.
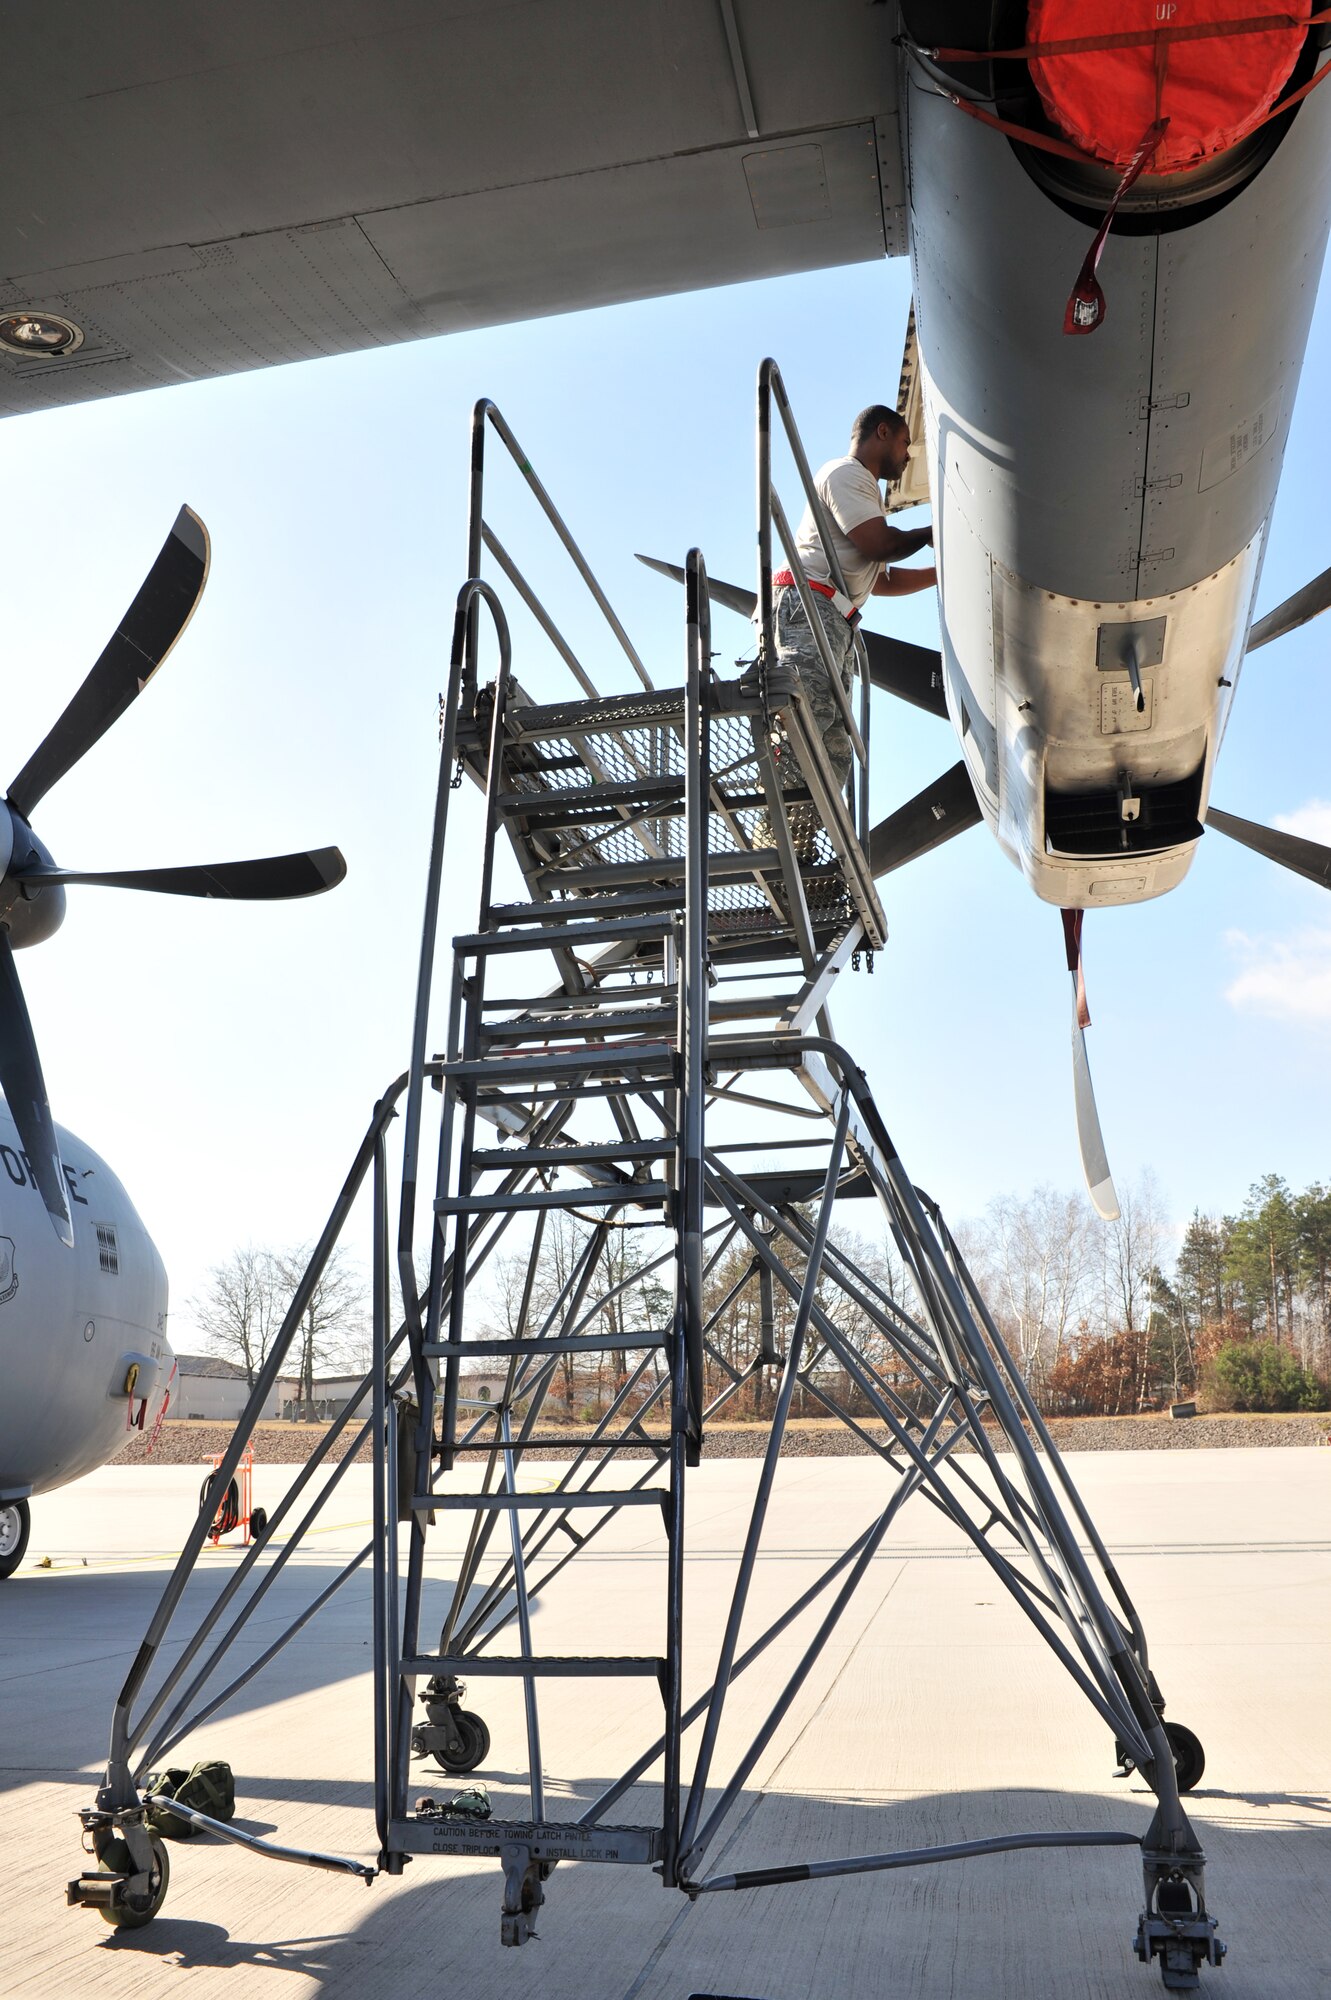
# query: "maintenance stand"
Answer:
x=698 y=883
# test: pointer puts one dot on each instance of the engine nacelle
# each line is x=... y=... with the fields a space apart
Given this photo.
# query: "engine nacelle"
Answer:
x=1101 y=503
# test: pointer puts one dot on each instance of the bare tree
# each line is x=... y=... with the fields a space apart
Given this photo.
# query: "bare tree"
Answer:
x=516 y=1301
x=1032 y=1254
x=332 y=1325
x=1132 y=1249
x=241 y=1309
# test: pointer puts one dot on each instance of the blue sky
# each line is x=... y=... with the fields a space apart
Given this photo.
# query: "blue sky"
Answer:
x=226 y=1059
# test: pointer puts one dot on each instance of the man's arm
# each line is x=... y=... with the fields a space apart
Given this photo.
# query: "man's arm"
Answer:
x=877 y=539
x=904 y=582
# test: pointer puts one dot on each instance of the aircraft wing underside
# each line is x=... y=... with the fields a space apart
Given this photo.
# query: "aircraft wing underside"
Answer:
x=201 y=190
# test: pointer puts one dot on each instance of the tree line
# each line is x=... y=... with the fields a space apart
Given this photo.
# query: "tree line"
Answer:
x=1107 y=1319
x=1102 y=1319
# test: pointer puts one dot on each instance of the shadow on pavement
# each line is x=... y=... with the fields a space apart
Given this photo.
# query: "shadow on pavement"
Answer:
x=69 y=1642
x=989 y=1929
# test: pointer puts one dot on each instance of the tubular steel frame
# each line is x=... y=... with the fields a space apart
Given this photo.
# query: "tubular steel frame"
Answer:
x=695 y=950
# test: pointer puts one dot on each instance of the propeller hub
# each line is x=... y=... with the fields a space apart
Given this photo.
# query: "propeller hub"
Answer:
x=29 y=913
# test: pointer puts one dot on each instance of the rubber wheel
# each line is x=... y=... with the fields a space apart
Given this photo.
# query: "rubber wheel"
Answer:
x=475 y=1739
x=258 y=1524
x=15 y=1527
x=115 y=1859
x=1189 y=1756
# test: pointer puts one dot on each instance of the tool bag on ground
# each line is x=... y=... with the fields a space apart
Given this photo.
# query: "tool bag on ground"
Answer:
x=207 y=1787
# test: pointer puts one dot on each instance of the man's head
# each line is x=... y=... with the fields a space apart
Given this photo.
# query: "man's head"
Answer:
x=880 y=439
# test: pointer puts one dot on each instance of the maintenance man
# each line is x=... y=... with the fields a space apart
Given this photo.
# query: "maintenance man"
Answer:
x=864 y=545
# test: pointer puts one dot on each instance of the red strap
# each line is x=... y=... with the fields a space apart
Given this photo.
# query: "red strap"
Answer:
x=1025 y=133
x=161 y=1414
x=1254 y=24
x=1086 y=302
x=782 y=579
x=1044 y=144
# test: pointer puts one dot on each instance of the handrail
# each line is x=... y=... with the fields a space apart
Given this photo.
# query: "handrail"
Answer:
x=464 y=632
x=769 y=507
x=485 y=410
x=119 y=1789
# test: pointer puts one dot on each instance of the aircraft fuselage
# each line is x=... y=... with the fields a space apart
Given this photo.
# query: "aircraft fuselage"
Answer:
x=74 y=1323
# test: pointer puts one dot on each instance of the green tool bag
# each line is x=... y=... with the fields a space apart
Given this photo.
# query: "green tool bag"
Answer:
x=208 y=1787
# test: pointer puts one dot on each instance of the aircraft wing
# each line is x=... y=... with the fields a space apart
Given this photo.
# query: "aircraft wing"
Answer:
x=202 y=189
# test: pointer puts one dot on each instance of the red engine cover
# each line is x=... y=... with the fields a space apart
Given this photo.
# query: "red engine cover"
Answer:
x=1213 y=90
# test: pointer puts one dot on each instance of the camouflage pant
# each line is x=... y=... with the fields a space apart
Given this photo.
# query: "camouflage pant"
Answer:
x=797 y=647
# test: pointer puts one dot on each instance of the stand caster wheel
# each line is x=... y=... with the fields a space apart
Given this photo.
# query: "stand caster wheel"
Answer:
x=475 y=1746
x=455 y=1737
x=258 y=1524
x=1189 y=1756
x=476 y=1743
x=115 y=1859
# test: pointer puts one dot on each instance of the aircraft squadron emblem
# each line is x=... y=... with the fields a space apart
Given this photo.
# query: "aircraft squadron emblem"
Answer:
x=8 y=1275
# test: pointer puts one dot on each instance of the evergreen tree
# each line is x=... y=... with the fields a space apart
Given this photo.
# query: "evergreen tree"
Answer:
x=1312 y=1230
x=1263 y=1257
x=1205 y=1293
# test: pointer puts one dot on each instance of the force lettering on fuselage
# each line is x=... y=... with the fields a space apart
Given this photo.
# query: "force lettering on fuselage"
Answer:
x=19 y=1170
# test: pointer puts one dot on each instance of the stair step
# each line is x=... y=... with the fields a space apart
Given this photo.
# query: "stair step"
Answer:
x=636 y=1441
x=562 y=1062
x=553 y=1017
x=546 y=1840
x=606 y=714
x=593 y=1194
x=647 y=990
x=608 y=797
x=573 y=938
x=545 y=912
x=575 y=1343
x=622 y=1020
x=547 y=1503
x=720 y=868
x=546 y=1666
x=611 y=1154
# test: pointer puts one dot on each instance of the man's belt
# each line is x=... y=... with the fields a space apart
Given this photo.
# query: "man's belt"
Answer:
x=782 y=579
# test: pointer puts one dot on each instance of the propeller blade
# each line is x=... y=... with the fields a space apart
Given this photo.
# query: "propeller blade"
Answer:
x=25 y=1094
x=142 y=640
x=1094 y=1160
x=1295 y=611
x=912 y=673
x=277 y=878
x=1288 y=850
x=728 y=594
x=945 y=808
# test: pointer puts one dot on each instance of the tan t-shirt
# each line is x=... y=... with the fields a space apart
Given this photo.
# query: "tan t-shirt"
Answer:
x=850 y=495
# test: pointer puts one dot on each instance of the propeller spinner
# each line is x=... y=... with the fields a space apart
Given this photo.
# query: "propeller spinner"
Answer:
x=32 y=894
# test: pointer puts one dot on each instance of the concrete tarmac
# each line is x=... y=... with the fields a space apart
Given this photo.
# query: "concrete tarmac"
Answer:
x=935 y=1715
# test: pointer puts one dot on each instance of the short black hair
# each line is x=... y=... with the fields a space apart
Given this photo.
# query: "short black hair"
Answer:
x=868 y=421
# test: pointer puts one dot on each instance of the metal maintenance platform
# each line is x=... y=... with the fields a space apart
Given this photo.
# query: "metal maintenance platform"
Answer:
x=645 y=1123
